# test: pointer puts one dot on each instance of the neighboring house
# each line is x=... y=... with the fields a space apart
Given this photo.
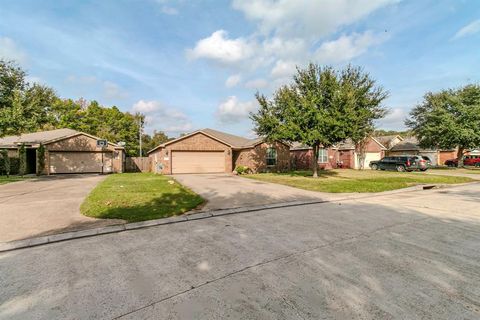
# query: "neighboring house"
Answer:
x=409 y=146
x=212 y=151
x=343 y=155
x=389 y=141
x=66 y=151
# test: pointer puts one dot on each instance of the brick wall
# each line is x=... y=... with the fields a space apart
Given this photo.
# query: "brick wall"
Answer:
x=196 y=142
x=256 y=158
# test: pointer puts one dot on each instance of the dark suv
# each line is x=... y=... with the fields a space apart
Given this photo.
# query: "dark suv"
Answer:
x=400 y=163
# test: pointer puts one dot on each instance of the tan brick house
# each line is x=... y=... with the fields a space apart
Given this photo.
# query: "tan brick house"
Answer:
x=212 y=151
x=66 y=151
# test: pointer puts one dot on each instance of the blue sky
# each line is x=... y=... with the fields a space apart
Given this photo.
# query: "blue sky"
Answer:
x=194 y=64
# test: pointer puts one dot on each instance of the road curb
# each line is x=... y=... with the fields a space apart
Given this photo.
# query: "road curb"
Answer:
x=38 y=241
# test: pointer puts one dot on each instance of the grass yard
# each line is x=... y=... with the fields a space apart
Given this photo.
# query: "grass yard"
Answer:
x=345 y=180
x=4 y=179
x=138 y=197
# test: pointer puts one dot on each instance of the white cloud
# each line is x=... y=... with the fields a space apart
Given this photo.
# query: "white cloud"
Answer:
x=232 y=110
x=113 y=91
x=306 y=18
x=283 y=69
x=233 y=80
x=10 y=51
x=468 y=30
x=394 y=119
x=218 y=47
x=159 y=117
x=256 y=84
x=169 y=10
x=347 y=47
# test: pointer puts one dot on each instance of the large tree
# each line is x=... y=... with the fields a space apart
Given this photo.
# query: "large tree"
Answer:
x=448 y=119
x=321 y=108
x=24 y=107
x=363 y=99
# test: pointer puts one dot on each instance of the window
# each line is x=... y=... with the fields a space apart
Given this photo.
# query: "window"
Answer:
x=271 y=157
x=322 y=155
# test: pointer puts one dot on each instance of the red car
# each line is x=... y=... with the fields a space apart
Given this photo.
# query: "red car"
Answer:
x=472 y=160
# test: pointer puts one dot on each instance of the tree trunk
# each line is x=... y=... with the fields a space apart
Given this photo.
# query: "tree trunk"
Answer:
x=460 y=156
x=315 y=160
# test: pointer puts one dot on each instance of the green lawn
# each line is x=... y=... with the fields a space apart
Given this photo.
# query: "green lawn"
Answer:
x=345 y=180
x=4 y=179
x=139 y=196
x=468 y=170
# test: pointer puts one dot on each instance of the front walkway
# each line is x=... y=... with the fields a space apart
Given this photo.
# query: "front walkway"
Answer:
x=46 y=205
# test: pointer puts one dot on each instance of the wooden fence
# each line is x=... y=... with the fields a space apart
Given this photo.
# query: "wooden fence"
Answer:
x=137 y=164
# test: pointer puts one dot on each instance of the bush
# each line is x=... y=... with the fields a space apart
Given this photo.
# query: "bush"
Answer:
x=40 y=159
x=242 y=169
x=4 y=163
x=22 y=155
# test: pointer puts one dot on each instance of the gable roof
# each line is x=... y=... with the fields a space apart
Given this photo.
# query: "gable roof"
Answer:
x=231 y=140
x=387 y=140
x=43 y=137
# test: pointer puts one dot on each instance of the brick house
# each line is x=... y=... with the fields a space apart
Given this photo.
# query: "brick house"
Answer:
x=343 y=155
x=66 y=151
x=212 y=151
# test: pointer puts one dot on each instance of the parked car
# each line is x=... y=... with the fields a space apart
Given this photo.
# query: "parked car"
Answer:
x=428 y=160
x=400 y=163
x=471 y=160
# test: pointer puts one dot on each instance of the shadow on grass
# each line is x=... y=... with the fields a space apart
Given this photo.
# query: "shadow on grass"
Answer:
x=166 y=205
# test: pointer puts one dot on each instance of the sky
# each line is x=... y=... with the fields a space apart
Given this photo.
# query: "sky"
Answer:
x=189 y=65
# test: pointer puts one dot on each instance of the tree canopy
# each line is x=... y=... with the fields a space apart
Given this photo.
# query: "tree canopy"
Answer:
x=448 y=119
x=26 y=107
x=322 y=107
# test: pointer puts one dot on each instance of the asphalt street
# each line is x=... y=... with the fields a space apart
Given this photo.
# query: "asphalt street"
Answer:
x=404 y=256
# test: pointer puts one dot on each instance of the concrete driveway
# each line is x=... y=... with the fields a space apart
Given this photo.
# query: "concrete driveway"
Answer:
x=46 y=205
x=224 y=191
x=402 y=256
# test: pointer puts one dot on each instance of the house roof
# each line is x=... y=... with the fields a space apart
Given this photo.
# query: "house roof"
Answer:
x=233 y=141
x=43 y=137
x=344 y=145
x=408 y=144
x=386 y=140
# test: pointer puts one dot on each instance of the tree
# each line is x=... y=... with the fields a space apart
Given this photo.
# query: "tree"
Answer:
x=311 y=111
x=5 y=168
x=22 y=158
x=363 y=100
x=23 y=107
x=448 y=119
x=40 y=159
x=150 y=142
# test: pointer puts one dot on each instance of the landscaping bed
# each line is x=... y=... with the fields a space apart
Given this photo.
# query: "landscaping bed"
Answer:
x=138 y=197
x=347 y=180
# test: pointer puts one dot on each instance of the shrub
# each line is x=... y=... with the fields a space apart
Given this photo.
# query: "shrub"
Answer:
x=22 y=156
x=242 y=169
x=4 y=163
x=40 y=159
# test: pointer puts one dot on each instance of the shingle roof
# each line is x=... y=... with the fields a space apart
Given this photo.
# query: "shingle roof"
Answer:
x=408 y=144
x=232 y=140
x=386 y=140
x=36 y=137
x=43 y=137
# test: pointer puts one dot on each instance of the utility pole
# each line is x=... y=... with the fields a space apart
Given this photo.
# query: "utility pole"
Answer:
x=140 y=127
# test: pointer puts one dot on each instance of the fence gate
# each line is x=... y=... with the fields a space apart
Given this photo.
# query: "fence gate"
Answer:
x=137 y=164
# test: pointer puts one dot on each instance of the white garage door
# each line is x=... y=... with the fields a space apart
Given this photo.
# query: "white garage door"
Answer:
x=198 y=162
x=80 y=162
x=369 y=156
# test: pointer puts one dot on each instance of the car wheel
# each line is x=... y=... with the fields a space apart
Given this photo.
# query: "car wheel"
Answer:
x=423 y=169
x=374 y=167
x=400 y=168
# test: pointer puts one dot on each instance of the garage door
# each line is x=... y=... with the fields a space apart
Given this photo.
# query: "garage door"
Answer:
x=369 y=156
x=198 y=162
x=80 y=162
